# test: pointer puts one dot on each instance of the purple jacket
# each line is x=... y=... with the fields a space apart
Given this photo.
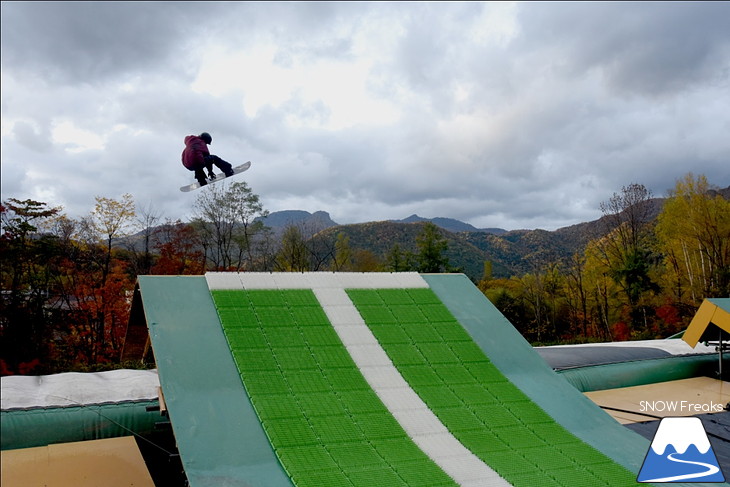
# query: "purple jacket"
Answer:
x=193 y=155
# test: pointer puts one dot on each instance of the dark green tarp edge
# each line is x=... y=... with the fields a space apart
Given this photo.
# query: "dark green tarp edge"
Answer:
x=220 y=439
x=28 y=428
x=640 y=372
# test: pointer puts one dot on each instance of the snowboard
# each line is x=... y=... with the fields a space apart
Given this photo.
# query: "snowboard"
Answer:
x=218 y=177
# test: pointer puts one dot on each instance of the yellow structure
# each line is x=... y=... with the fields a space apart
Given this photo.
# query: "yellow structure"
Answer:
x=711 y=322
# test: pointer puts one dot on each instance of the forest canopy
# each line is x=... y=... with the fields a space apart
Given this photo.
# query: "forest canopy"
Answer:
x=67 y=282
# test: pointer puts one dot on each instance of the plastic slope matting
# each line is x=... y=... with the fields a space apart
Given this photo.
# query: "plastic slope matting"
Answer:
x=474 y=400
x=326 y=424
x=525 y=369
x=347 y=379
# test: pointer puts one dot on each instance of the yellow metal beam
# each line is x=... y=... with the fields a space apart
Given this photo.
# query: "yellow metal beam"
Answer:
x=711 y=312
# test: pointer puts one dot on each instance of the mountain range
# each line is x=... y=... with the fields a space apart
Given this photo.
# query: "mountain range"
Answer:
x=511 y=252
x=322 y=220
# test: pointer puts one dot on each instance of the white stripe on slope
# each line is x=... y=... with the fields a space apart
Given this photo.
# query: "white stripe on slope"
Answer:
x=418 y=421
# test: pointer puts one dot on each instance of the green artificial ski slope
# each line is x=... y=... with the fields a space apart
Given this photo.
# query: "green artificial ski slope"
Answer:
x=474 y=400
x=326 y=424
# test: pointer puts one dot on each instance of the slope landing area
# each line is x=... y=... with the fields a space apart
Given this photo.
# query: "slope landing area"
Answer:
x=686 y=397
x=347 y=379
x=115 y=462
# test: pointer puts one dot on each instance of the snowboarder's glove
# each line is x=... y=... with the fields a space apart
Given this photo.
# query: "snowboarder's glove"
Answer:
x=211 y=175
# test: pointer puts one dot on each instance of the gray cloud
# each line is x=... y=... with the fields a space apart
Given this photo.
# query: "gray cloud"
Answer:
x=642 y=48
x=518 y=116
x=89 y=42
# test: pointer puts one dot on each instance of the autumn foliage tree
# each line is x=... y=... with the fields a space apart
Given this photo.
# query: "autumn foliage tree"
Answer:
x=179 y=250
x=98 y=292
x=66 y=282
x=26 y=282
x=626 y=250
x=65 y=288
x=642 y=278
x=227 y=218
x=293 y=256
x=695 y=238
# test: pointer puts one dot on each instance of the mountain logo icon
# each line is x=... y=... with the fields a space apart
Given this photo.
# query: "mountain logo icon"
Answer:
x=680 y=452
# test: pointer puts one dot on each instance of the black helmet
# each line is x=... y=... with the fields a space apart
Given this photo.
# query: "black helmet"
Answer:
x=206 y=137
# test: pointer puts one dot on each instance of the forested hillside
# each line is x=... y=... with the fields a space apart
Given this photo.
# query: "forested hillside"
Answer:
x=640 y=271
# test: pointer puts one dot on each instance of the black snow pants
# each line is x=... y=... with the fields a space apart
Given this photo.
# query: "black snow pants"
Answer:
x=210 y=161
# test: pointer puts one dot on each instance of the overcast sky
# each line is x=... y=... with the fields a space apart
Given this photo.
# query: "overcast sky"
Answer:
x=511 y=115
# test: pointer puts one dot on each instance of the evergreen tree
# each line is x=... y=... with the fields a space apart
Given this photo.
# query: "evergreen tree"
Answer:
x=431 y=248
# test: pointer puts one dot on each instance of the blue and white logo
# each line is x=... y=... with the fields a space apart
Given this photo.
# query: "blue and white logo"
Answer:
x=680 y=452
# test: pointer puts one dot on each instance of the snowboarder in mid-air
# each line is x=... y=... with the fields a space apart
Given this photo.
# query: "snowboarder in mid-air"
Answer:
x=196 y=157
